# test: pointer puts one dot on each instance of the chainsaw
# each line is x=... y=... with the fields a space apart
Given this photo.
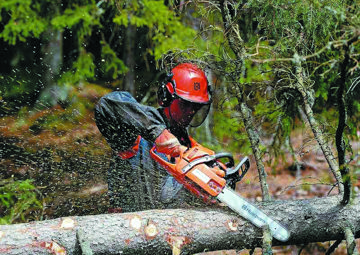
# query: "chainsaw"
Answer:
x=196 y=169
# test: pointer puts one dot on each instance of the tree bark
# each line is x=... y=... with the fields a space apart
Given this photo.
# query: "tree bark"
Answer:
x=190 y=231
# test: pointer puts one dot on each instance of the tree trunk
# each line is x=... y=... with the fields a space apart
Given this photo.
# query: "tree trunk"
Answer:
x=51 y=64
x=191 y=231
x=236 y=43
x=129 y=82
x=52 y=50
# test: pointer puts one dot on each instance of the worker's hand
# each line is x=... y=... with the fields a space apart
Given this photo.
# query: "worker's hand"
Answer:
x=168 y=144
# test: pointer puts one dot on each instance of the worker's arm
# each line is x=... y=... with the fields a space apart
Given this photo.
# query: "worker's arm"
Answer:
x=121 y=119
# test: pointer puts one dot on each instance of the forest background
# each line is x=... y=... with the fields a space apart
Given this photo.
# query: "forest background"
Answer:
x=59 y=57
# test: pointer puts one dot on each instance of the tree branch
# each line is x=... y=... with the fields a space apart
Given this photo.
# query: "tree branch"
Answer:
x=267 y=241
x=333 y=247
x=350 y=242
x=237 y=46
x=315 y=127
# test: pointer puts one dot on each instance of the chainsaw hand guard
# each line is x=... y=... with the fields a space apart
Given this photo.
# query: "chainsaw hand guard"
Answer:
x=234 y=175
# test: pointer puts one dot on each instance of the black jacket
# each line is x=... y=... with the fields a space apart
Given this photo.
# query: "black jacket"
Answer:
x=120 y=119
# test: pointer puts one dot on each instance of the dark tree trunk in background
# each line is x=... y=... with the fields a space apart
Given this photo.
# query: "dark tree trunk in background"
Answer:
x=53 y=56
x=340 y=143
x=129 y=48
x=51 y=65
x=191 y=231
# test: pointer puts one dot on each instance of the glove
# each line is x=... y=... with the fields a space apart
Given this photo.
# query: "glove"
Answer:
x=168 y=144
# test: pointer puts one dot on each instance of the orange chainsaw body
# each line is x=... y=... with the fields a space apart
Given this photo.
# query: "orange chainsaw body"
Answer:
x=200 y=178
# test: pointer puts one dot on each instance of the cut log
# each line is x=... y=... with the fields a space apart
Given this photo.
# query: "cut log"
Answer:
x=190 y=231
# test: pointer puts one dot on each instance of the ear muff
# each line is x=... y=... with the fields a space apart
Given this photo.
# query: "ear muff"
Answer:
x=163 y=94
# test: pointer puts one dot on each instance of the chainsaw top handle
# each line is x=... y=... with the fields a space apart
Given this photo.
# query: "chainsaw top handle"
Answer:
x=207 y=159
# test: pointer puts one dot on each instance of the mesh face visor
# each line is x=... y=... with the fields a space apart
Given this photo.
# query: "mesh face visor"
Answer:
x=200 y=115
x=187 y=113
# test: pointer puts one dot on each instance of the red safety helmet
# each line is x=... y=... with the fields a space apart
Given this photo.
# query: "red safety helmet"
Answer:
x=188 y=83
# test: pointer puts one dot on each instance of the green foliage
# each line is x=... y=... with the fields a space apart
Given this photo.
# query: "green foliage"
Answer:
x=24 y=20
x=299 y=26
x=314 y=33
x=230 y=129
x=83 y=68
x=210 y=38
x=32 y=19
x=256 y=74
x=19 y=199
x=83 y=18
x=111 y=65
x=17 y=89
x=309 y=28
x=18 y=83
x=166 y=30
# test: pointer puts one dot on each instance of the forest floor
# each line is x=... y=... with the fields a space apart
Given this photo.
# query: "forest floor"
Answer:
x=69 y=168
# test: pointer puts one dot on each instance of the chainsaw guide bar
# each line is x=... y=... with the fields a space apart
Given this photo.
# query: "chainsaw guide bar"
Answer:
x=252 y=213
